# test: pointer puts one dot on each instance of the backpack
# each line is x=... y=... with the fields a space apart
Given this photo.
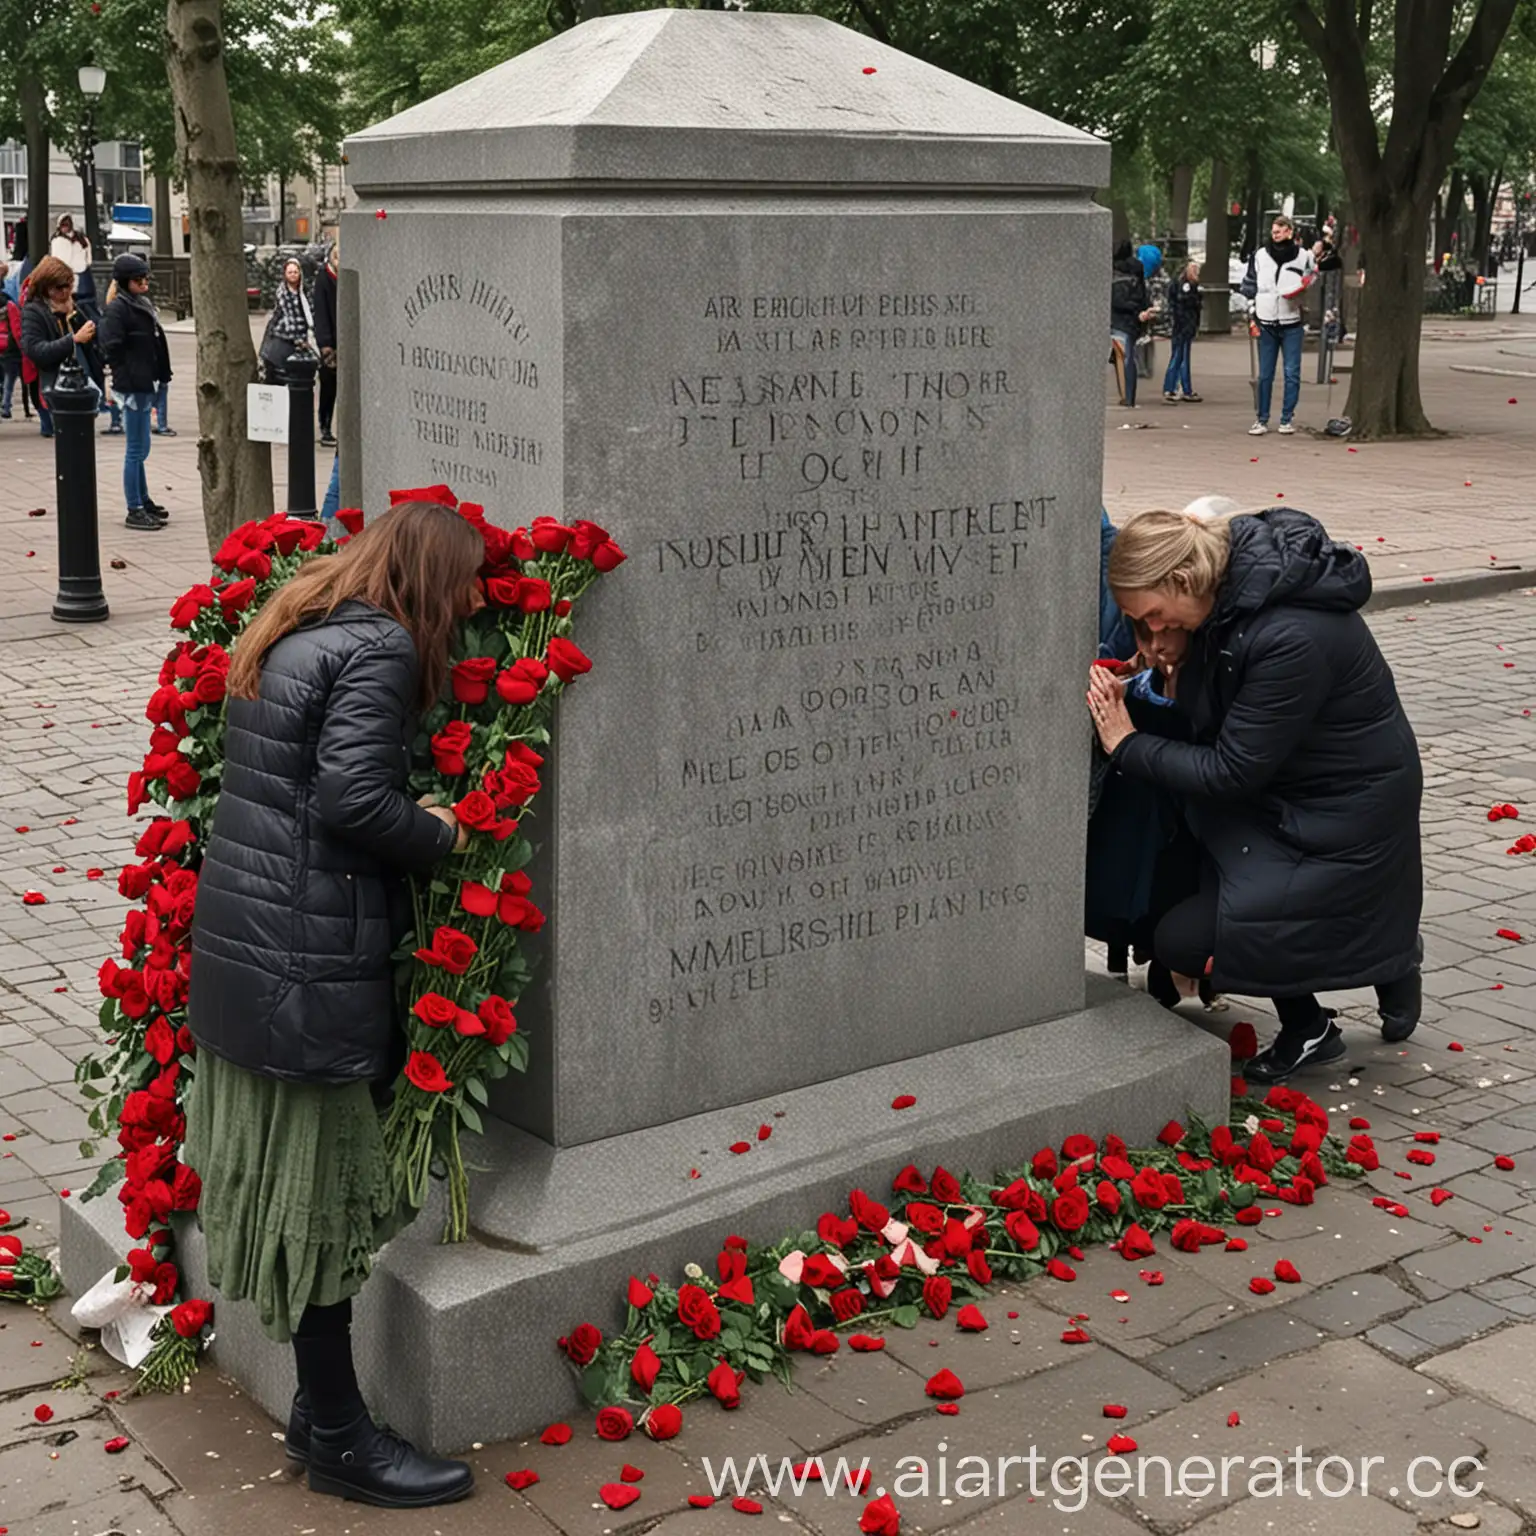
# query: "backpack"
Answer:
x=1249 y=287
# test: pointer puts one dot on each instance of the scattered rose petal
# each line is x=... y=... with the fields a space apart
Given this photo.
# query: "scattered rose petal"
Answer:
x=1455 y=1045
x=1287 y=1273
x=700 y=1501
x=1359 y=1124
x=117 y=1444
x=865 y=1343
x=1237 y=1245
x=1151 y=1276
x=630 y=1474
x=1421 y=1157
x=738 y=1147
x=904 y=1101
x=618 y=1495
x=33 y=899
x=1076 y=1336
x=1430 y=1138
x=556 y=1434
x=947 y=1408
x=1508 y=933
x=1059 y=1269
x=1233 y=1420
x=1120 y=1445
x=764 y=1132
x=1504 y=1164
x=526 y=1478
x=869 y=69
x=1438 y=1197
x=945 y=1384
x=1114 y=1410
x=970 y=1319
x=1261 y=1285
x=42 y=1413
x=745 y=1506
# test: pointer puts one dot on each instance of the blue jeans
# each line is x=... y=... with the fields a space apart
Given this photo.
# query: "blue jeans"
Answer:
x=1129 y=348
x=136 y=450
x=162 y=398
x=10 y=365
x=332 y=503
x=1273 y=341
x=1178 y=366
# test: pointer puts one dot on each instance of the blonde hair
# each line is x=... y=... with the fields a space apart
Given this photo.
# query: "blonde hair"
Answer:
x=1171 y=549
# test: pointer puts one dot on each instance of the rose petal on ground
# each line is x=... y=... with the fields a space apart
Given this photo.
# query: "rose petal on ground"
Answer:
x=1114 y=1410
x=525 y=1478
x=1076 y=1336
x=618 y=1495
x=630 y=1474
x=1261 y=1285
x=700 y=1501
x=744 y=1506
x=904 y=1101
x=1233 y=1420
x=116 y=1444
x=1504 y=1164
x=1120 y=1445
x=556 y=1434
x=738 y=1147
x=1287 y=1273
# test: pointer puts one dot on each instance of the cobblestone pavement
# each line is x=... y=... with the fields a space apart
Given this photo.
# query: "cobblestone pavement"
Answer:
x=1409 y=1336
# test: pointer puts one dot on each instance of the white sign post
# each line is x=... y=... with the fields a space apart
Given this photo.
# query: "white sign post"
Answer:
x=266 y=413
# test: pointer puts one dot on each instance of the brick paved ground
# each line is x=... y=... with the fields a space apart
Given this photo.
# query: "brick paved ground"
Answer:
x=1409 y=1337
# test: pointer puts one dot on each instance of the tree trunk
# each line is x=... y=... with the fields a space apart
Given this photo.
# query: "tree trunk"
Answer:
x=1448 y=215
x=1384 y=398
x=162 y=225
x=1178 y=212
x=1484 y=191
x=1217 y=312
x=29 y=89
x=236 y=474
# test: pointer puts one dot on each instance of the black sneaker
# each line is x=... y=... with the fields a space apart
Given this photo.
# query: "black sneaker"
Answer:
x=156 y=510
x=1287 y=1056
x=376 y=1466
x=326 y=440
x=141 y=521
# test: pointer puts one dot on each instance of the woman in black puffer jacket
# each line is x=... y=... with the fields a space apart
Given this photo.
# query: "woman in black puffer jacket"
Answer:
x=292 y=1001
x=1297 y=768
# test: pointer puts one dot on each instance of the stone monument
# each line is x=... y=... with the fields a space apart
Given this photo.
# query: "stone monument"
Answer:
x=804 y=322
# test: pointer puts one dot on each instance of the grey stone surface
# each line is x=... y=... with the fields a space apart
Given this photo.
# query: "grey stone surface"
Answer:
x=1243 y=1345
x=1353 y=1304
x=798 y=811
x=1501 y=1368
x=1452 y=1320
x=670 y=95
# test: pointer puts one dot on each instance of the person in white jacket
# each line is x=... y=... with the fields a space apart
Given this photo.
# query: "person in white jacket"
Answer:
x=1282 y=270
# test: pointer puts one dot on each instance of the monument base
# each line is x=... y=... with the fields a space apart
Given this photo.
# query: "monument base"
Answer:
x=457 y=1344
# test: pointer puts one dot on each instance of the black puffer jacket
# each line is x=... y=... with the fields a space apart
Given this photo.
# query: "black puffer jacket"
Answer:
x=134 y=346
x=1302 y=778
x=299 y=901
x=1127 y=297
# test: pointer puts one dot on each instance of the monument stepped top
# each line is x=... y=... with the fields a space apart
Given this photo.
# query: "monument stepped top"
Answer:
x=678 y=96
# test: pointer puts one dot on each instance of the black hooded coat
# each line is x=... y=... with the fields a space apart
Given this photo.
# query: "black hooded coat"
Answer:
x=1300 y=774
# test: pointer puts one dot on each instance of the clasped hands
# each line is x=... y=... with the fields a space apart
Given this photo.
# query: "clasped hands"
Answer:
x=1106 y=704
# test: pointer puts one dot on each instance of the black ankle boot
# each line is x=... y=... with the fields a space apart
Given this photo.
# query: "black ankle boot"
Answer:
x=1400 y=1003
x=376 y=1466
x=1161 y=985
x=300 y=1419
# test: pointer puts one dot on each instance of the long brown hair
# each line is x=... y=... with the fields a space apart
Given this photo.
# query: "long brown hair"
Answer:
x=48 y=274
x=417 y=563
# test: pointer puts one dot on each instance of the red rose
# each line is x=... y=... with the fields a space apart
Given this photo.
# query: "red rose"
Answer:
x=523 y=547
x=472 y=679
x=880 y=1518
x=1075 y=1148
x=640 y=1295
x=583 y=1344
x=585 y=538
x=449 y=746
x=928 y=1219
x=253 y=562
x=191 y=1317
x=435 y=1011
x=436 y=493
x=1070 y=1211
x=517 y=783
x=496 y=1014
x=725 y=1385
x=1044 y=1165
x=1136 y=1243
x=514 y=689
x=822 y=1273
x=520 y=751
x=1022 y=1230
x=614 y=1423
x=663 y=1421
x=946 y=1187
x=183 y=780
x=191 y=603
x=501 y=590
x=1171 y=1134
x=1115 y=1166
x=645 y=1367
x=186 y=1189
x=426 y=1072
x=1108 y=1196
x=1148 y=1190
x=846 y=1304
x=910 y=1182
x=160 y=1040
x=565 y=659
x=476 y=810
x=533 y=595
x=977 y=1266
x=608 y=556
x=236 y=597
x=211 y=685
x=797 y=1329
x=476 y=899
x=548 y=536
x=696 y=1310
x=937 y=1294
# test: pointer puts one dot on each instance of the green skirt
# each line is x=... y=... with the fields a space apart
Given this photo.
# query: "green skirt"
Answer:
x=297 y=1194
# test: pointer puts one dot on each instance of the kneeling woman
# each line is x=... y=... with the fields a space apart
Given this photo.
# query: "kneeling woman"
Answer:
x=1297 y=768
x=300 y=902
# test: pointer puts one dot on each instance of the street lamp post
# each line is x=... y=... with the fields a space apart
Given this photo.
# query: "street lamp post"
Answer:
x=93 y=81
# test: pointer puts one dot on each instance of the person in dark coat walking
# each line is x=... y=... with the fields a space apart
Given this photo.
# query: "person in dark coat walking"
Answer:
x=322 y=302
x=1129 y=310
x=1184 y=303
x=1298 y=771
x=135 y=346
x=292 y=1002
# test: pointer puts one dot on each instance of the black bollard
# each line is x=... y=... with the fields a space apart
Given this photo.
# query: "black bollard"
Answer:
x=73 y=401
x=300 y=368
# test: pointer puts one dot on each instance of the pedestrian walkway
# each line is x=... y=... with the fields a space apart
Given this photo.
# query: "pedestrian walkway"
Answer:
x=1409 y=1335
